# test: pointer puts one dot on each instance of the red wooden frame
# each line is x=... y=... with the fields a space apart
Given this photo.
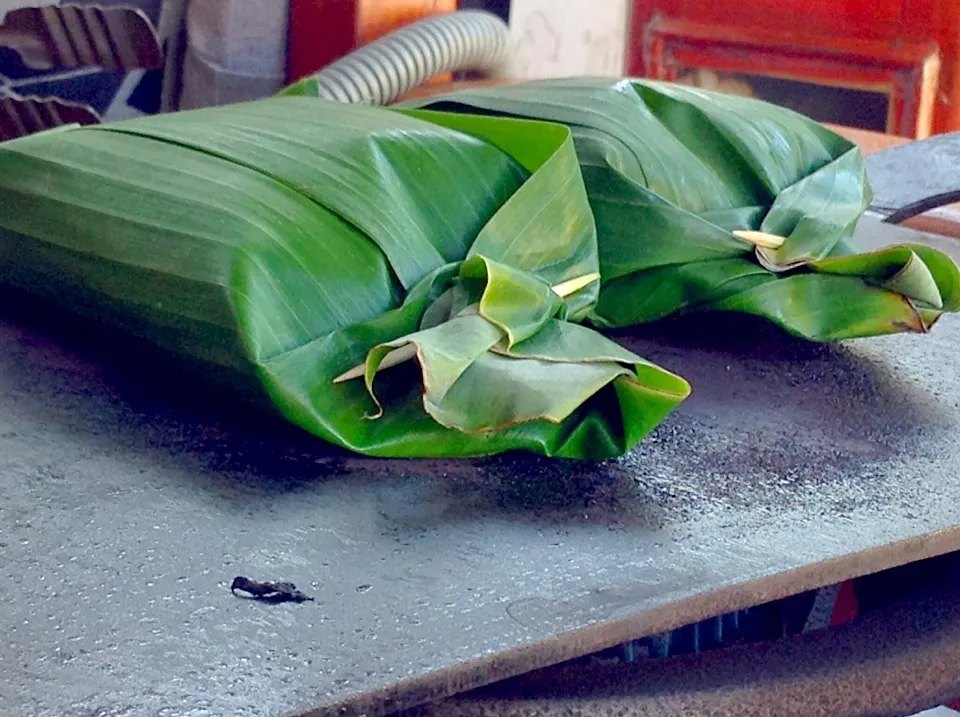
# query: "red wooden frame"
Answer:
x=906 y=72
x=908 y=49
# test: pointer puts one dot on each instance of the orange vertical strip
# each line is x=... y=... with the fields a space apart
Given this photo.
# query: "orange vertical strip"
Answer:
x=376 y=18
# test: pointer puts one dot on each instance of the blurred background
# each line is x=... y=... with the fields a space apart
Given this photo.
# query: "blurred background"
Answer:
x=883 y=65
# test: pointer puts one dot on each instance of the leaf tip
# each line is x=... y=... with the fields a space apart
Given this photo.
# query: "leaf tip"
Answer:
x=565 y=288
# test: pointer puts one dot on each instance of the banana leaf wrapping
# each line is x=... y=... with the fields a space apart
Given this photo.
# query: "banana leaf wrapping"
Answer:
x=671 y=172
x=395 y=286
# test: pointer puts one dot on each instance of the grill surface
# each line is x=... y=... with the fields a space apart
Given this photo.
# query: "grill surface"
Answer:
x=130 y=497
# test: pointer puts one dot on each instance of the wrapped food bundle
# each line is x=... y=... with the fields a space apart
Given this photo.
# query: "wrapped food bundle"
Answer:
x=710 y=202
x=420 y=282
x=394 y=286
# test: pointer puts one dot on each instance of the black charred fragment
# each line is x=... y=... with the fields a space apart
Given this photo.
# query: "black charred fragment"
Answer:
x=267 y=592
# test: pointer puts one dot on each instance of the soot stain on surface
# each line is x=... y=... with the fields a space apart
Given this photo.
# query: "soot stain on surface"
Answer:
x=810 y=419
x=520 y=483
x=774 y=423
x=519 y=487
x=757 y=377
x=174 y=415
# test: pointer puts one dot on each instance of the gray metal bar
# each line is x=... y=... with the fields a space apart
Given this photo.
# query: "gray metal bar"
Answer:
x=916 y=177
x=894 y=662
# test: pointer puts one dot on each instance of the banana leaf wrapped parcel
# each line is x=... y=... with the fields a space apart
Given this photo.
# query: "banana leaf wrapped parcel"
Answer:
x=396 y=286
x=710 y=202
x=418 y=281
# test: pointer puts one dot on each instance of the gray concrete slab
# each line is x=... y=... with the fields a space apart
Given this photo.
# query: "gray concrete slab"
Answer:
x=130 y=496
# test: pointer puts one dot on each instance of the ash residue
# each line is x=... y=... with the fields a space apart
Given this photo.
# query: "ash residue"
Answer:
x=690 y=470
x=775 y=423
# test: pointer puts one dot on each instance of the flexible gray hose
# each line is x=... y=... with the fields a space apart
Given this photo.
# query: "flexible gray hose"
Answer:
x=398 y=62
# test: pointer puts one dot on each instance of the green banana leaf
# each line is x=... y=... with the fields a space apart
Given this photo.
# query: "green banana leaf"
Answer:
x=397 y=286
x=672 y=172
